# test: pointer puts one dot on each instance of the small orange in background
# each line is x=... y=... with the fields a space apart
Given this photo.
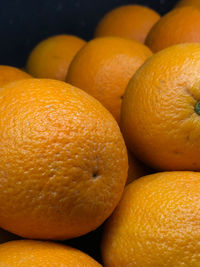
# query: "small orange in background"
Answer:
x=161 y=110
x=29 y=253
x=130 y=21
x=157 y=223
x=103 y=68
x=63 y=161
x=136 y=169
x=182 y=3
x=180 y=25
x=51 y=57
x=10 y=74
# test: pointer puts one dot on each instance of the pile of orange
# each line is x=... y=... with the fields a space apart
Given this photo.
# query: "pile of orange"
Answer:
x=105 y=130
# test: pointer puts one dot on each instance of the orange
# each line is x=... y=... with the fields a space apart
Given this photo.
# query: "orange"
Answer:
x=161 y=109
x=130 y=21
x=181 y=25
x=182 y=3
x=136 y=169
x=63 y=161
x=157 y=223
x=103 y=68
x=9 y=74
x=30 y=253
x=51 y=57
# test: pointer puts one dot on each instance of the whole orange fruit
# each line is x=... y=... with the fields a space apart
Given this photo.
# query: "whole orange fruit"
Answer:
x=161 y=109
x=9 y=74
x=63 y=161
x=182 y=3
x=51 y=57
x=180 y=25
x=136 y=169
x=157 y=223
x=30 y=253
x=129 y=21
x=103 y=68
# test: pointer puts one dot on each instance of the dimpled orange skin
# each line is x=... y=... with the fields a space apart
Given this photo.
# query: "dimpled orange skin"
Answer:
x=63 y=161
x=136 y=169
x=180 y=25
x=30 y=253
x=159 y=121
x=9 y=74
x=157 y=223
x=130 y=21
x=104 y=67
x=51 y=57
x=182 y=3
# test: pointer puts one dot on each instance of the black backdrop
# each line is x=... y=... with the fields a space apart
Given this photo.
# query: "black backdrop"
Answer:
x=23 y=23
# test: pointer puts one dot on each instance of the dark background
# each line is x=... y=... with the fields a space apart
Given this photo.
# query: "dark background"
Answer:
x=23 y=23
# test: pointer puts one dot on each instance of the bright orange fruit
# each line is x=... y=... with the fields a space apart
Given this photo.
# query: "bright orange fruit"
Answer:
x=161 y=109
x=63 y=161
x=51 y=57
x=129 y=21
x=103 y=68
x=29 y=253
x=180 y=25
x=157 y=223
x=10 y=74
